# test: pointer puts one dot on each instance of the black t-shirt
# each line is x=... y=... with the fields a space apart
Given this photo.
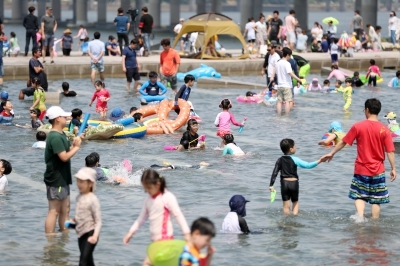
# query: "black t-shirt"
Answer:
x=69 y=94
x=32 y=64
x=274 y=24
x=28 y=91
x=146 y=23
x=189 y=138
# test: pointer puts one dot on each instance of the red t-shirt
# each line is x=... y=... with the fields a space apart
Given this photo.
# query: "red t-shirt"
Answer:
x=373 y=139
x=169 y=61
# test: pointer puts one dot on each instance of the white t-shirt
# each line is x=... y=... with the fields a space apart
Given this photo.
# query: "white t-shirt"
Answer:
x=283 y=68
x=231 y=223
x=178 y=28
x=393 y=26
x=39 y=145
x=301 y=42
x=251 y=33
x=3 y=183
x=193 y=36
x=261 y=27
x=272 y=59
x=96 y=47
x=334 y=48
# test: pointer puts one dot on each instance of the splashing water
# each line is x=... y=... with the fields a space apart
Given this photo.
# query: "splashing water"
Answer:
x=123 y=175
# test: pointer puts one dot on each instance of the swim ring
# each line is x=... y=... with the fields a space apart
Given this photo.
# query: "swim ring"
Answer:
x=325 y=136
x=131 y=131
x=149 y=98
x=93 y=123
x=162 y=110
x=364 y=79
x=100 y=132
x=248 y=99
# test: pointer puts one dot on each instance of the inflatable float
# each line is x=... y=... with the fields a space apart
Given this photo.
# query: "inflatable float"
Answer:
x=393 y=83
x=131 y=129
x=100 y=132
x=248 y=99
x=365 y=80
x=152 y=99
x=203 y=71
x=163 y=125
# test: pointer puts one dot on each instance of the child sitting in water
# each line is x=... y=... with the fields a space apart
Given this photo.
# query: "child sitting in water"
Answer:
x=396 y=80
x=6 y=116
x=356 y=81
x=41 y=140
x=327 y=86
x=224 y=119
x=92 y=162
x=66 y=92
x=314 y=86
x=75 y=123
x=347 y=92
x=234 y=221
x=230 y=146
x=287 y=165
x=189 y=140
x=335 y=135
x=201 y=233
x=138 y=119
x=35 y=122
x=337 y=74
x=5 y=169
x=338 y=86
x=373 y=71
x=299 y=89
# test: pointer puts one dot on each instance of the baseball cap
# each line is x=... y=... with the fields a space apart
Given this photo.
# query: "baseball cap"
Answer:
x=390 y=115
x=48 y=7
x=87 y=173
x=181 y=19
x=56 y=111
x=336 y=126
x=4 y=95
x=116 y=114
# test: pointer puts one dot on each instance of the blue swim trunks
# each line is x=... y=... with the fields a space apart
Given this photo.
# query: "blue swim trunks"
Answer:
x=371 y=189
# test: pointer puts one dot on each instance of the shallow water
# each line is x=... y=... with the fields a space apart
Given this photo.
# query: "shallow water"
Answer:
x=322 y=234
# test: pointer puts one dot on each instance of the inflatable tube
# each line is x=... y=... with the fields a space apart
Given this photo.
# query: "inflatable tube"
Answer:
x=151 y=121
x=304 y=70
x=365 y=80
x=252 y=99
x=166 y=252
x=102 y=132
x=156 y=98
x=125 y=121
x=203 y=71
x=325 y=136
x=131 y=131
x=84 y=124
x=93 y=123
x=162 y=110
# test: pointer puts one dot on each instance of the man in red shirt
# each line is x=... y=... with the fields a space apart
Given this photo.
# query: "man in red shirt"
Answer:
x=373 y=140
x=169 y=65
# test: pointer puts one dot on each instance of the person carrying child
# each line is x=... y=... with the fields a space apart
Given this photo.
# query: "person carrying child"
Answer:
x=372 y=72
x=230 y=146
x=287 y=166
x=184 y=91
x=189 y=140
x=103 y=96
x=41 y=140
x=201 y=233
x=91 y=161
x=224 y=119
x=39 y=98
x=234 y=221
x=347 y=93
x=335 y=134
x=158 y=207
x=152 y=87
x=5 y=169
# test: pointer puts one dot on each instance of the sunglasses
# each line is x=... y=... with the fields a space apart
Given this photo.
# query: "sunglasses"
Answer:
x=32 y=112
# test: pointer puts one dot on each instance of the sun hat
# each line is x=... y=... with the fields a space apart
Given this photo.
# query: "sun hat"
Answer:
x=56 y=111
x=4 y=95
x=87 y=173
x=67 y=31
x=116 y=114
x=238 y=204
x=390 y=115
x=314 y=80
x=336 y=126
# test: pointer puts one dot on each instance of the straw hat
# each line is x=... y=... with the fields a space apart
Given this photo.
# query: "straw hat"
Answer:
x=269 y=17
x=67 y=31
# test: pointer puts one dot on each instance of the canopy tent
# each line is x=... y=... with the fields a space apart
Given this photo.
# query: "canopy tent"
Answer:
x=212 y=24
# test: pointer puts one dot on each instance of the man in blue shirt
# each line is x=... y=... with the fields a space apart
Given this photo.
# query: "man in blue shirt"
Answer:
x=122 y=25
x=1 y=58
x=112 y=48
x=130 y=65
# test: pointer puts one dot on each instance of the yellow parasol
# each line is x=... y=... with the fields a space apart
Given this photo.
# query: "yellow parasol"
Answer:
x=329 y=19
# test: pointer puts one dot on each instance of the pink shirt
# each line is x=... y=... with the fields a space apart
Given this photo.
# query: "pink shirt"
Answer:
x=373 y=70
x=101 y=96
x=224 y=119
x=290 y=22
x=338 y=74
x=314 y=88
x=158 y=210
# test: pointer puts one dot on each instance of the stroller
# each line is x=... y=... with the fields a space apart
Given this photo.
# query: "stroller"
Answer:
x=346 y=44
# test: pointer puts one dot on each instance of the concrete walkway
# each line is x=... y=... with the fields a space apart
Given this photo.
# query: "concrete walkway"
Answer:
x=78 y=66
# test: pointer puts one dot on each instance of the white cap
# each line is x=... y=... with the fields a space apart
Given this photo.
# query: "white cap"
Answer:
x=181 y=19
x=87 y=173
x=56 y=111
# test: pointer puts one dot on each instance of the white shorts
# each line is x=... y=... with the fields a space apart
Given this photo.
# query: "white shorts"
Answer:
x=291 y=37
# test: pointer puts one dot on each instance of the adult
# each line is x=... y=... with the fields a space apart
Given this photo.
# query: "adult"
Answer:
x=331 y=31
x=1 y=25
x=82 y=35
x=364 y=40
x=284 y=73
x=275 y=28
x=169 y=64
x=357 y=23
x=270 y=60
x=317 y=31
x=58 y=177
x=31 y=25
x=122 y=26
x=1 y=58
x=145 y=28
x=184 y=37
x=261 y=32
x=373 y=139
x=250 y=33
x=96 y=52
x=48 y=28
x=36 y=70
x=393 y=26
x=291 y=24
x=130 y=65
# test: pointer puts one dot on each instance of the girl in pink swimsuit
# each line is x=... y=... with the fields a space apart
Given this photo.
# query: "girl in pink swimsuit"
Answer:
x=224 y=119
x=103 y=96
x=158 y=208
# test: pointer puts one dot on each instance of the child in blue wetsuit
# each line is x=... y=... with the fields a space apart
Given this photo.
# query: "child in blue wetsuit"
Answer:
x=75 y=123
x=184 y=91
x=230 y=146
x=287 y=165
x=396 y=80
x=152 y=88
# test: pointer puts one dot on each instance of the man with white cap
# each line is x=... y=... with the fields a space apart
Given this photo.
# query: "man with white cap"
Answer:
x=184 y=37
x=58 y=177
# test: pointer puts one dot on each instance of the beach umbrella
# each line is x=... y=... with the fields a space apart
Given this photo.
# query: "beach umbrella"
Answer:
x=329 y=19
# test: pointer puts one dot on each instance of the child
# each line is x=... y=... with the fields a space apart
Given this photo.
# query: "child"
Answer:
x=327 y=86
x=184 y=91
x=338 y=86
x=356 y=81
x=87 y=215
x=168 y=166
x=97 y=156
x=334 y=52
x=85 y=46
x=336 y=134
x=230 y=146
x=66 y=92
x=14 y=47
x=347 y=92
x=159 y=202
x=3 y=99
x=5 y=169
x=35 y=121
x=39 y=97
x=324 y=44
x=201 y=232
x=224 y=119
x=299 y=89
x=287 y=165
x=337 y=74
x=103 y=96
x=190 y=138
x=316 y=46
x=396 y=80
x=138 y=119
x=67 y=42
x=6 y=116
x=91 y=161
x=152 y=87
x=234 y=221
x=314 y=86
x=112 y=48
x=373 y=71
x=41 y=140
x=75 y=123
x=392 y=123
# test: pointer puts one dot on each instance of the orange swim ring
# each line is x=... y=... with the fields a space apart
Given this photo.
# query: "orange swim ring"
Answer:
x=164 y=125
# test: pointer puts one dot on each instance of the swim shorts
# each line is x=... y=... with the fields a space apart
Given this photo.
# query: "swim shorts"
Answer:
x=284 y=94
x=334 y=58
x=222 y=133
x=291 y=37
x=57 y=193
x=171 y=79
x=48 y=40
x=97 y=66
x=290 y=190
x=132 y=73
x=371 y=189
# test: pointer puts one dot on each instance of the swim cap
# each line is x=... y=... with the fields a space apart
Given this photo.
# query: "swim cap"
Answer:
x=4 y=95
x=314 y=80
x=336 y=126
x=390 y=115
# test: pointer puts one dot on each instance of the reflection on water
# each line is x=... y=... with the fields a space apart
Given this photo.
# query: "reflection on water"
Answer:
x=55 y=252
